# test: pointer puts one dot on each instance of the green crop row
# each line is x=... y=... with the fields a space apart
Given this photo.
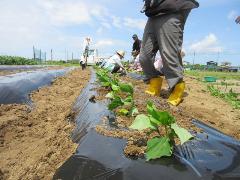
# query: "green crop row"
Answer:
x=15 y=60
x=122 y=101
x=231 y=97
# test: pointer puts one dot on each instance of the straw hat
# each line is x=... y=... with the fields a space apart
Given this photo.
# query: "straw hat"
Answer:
x=121 y=53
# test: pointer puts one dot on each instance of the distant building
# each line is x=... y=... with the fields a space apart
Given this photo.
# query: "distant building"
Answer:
x=186 y=63
x=211 y=65
x=234 y=69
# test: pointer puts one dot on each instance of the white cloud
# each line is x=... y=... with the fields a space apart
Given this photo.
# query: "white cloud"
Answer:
x=49 y=24
x=108 y=46
x=232 y=15
x=65 y=13
x=209 y=43
x=116 y=21
x=103 y=43
x=131 y=23
x=134 y=23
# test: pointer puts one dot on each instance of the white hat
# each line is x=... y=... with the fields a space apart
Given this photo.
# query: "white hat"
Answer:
x=121 y=53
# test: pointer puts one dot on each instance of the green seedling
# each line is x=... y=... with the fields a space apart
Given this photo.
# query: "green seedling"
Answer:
x=161 y=145
x=117 y=88
x=231 y=97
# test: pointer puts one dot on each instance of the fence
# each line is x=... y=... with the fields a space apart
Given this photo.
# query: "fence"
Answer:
x=39 y=55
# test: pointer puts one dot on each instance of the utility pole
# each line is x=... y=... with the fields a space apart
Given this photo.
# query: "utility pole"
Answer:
x=40 y=55
x=65 y=52
x=34 y=55
x=72 y=56
x=218 y=56
x=194 y=56
x=51 y=54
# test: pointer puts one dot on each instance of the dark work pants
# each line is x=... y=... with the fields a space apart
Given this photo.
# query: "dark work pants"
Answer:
x=164 y=33
x=116 y=68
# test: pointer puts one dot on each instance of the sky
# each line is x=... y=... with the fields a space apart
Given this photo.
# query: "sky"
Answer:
x=210 y=32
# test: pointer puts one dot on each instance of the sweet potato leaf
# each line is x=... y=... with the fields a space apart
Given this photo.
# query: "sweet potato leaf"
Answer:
x=110 y=95
x=182 y=133
x=158 y=117
x=141 y=122
x=128 y=88
x=158 y=147
x=134 y=111
x=128 y=101
x=115 y=87
x=116 y=102
x=123 y=112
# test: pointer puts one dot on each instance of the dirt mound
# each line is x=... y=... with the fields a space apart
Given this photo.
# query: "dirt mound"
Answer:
x=34 y=141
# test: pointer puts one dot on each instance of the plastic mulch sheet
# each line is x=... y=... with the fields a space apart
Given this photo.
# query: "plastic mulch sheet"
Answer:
x=15 y=88
x=20 y=67
x=211 y=155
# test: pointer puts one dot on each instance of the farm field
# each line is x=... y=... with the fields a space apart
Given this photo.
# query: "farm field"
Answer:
x=198 y=104
x=35 y=141
x=227 y=85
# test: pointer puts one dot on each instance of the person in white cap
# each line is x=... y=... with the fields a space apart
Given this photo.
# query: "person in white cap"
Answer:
x=86 y=45
x=114 y=64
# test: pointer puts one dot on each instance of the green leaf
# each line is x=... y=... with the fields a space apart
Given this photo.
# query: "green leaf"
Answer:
x=115 y=87
x=158 y=147
x=141 y=122
x=182 y=133
x=103 y=78
x=126 y=88
x=116 y=102
x=154 y=121
x=152 y=111
x=165 y=118
x=105 y=84
x=150 y=107
x=158 y=117
x=110 y=95
x=123 y=112
x=134 y=111
x=128 y=101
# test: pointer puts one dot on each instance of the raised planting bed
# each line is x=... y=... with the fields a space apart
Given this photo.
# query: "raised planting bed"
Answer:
x=110 y=147
x=16 y=88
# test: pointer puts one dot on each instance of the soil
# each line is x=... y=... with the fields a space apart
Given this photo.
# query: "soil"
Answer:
x=197 y=104
x=35 y=141
x=233 y=85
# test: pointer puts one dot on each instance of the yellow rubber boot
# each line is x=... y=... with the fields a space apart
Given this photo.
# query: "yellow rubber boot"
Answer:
x=154 y=86
x=176 y=96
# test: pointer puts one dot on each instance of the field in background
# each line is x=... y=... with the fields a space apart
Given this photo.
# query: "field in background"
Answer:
x=219 y=75
x=226 y=87
x=15 y=60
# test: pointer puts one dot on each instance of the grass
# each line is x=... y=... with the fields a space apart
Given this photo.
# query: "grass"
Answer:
x=62 y=63
x=219 y=75
x=231 y=97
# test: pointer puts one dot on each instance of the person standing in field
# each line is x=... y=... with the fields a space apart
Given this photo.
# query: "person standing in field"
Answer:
x=86 y=45
x=164 y=32
x=136 y=46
